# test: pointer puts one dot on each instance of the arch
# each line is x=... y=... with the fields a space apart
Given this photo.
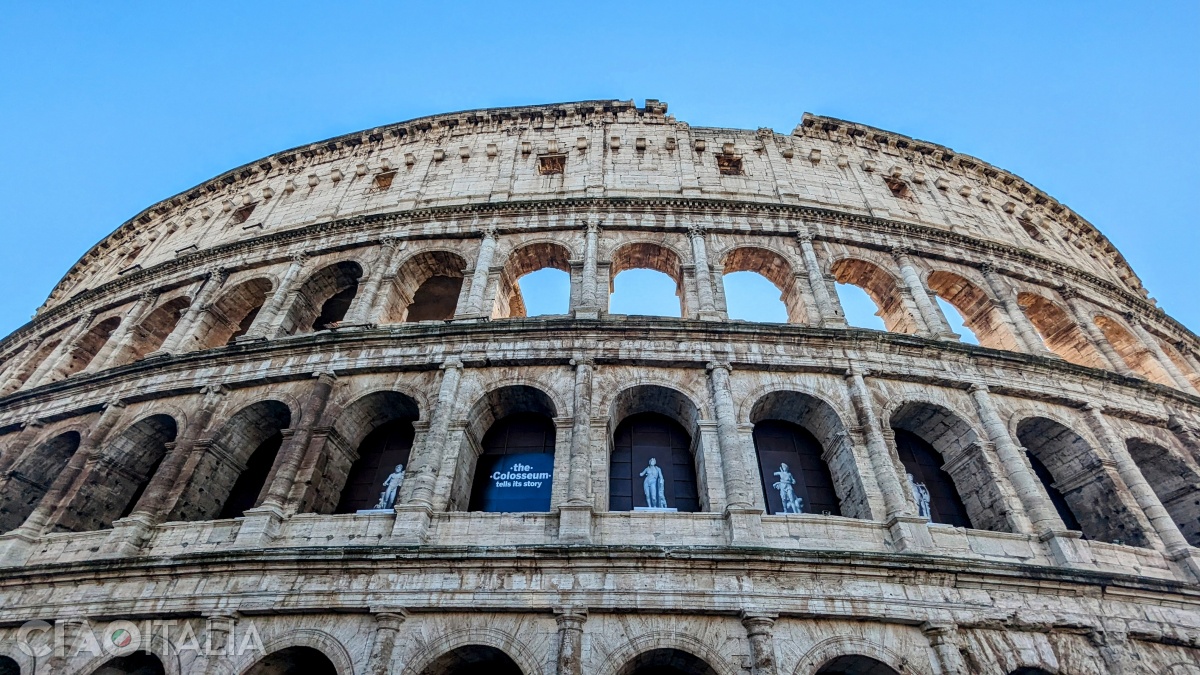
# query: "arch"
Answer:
x=116 y=481
x=323 y=299
x=650 y=256
x=293 y=661
x=1175 y=353
x=150 y=334
x=376 y=434
x=1058 y=330
x=1078 y=473
x=881 y=286
x=774 y=268
x=470 y=659
x=1031 y=671
x=137 y=663
x=9 y=666
x=330 y=649
x=426 y=288
x=979 y=312
x=24 y=370
x=1131 y=350
x=654 y=422
x=1174 y=481
x=529 y=258
x=525 y=413
x=829 y=650
x=941 y=450
x=87 y=346
x=499 y=640
x=32 y=476
x=687 y=646
x=666 y=661
x=231 y=315
x=855 y=664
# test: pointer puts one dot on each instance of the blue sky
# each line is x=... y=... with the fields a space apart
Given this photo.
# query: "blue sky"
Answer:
x=106 y=108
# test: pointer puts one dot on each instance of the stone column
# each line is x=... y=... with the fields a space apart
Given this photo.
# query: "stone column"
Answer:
x=1177 y=547
x=121 y=340
x=175 y=342
x=385 y=267
x=292 y=452
x=479 y=278
x=424 y=467
x=1036 y=504
x=269 y=318
x=575 y=516
x=930 y=314
x=802 y=289
x=733 y=460
x=589 y=305
x=1159 y=353
x=570 y=641
x=219 y=641
x=943 y=637
x=1026 y=334
x=387 y=625
x=759 y=627
x=894 y=500
x=1080 y=313
x=707 y=309
x=829 y=309
x=61 y=356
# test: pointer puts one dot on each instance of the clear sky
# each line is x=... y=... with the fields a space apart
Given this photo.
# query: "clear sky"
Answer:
x=106 y=108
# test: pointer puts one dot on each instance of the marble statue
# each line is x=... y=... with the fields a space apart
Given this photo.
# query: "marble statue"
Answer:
x=654 y=486
x=920 y=495
x=391 y=486
x=787 y=492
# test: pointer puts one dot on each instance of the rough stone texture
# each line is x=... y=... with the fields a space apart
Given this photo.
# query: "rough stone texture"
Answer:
x=136 y=397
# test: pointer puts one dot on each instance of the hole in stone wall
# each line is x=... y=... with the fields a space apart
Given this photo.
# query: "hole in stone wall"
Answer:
x=730 y=165
x=898 y=188
x=384 y=180
x=552 y=164
x=242 y=214
x=750 y=296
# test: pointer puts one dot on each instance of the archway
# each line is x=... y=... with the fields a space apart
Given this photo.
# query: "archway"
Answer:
x=853 y=664
x=1174 y=481
x=666 y=662
x=25 y=369
x=766 y=266
x=1031 y=671
x=511 y=434
x=1131 y=350
x=380 y=427
x=473 y=659
x=324 y=298
x=1061 y=506
x=249 y=441
x=116 y=482
x=653 y=452
x=529 y=259
x=150 y=334
x=1058 y=331
x=86 y=347
x=882 y=288
x=32 y=476
x=231 y=316
x=979 y=314
x=426 y=288
x=138 y=663
x=929 y=435
x=652 y=257
x=294 y=661
x=1091 y=495
x=9 y=666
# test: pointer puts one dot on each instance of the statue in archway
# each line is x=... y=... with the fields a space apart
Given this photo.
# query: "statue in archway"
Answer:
x=391 y=486
x=654 y=485
x=920 y=495
x=787 y=491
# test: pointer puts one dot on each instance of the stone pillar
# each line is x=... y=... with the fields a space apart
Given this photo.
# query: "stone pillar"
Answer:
x=15 y=448
x=1036 y=504
x=292 y=452
x=385 y=267
x=121 y=340
x=1177 y=547
x=928 y=311
x=1024 y=331
x=1159 y=353
x=1080 y=313
x=828 y=307
x=733 y=460
x=589 y=304
x=707 y=309
x=570 y=641
x=387 y=625
x=802 y=289
x=58 y=359
x=759 y=627
x=269 y=318
x=575 y=515
x=424 y=467
x=175 y=342
x=943 y=637
x=479 y=278
x=219 y=640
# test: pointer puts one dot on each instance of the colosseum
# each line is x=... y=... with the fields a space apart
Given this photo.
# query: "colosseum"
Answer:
x=297 y=419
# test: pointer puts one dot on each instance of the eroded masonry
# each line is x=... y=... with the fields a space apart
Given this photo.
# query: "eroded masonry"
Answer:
x=305 y=398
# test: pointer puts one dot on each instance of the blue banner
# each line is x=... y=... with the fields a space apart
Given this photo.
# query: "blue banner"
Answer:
x=514 y=483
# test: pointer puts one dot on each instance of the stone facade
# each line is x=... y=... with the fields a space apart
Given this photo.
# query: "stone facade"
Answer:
x=318 y=294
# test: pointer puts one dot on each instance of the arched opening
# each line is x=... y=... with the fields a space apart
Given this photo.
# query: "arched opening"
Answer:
x=1031 y=671
x=138 y=663
x=1056 y=497
x=545 y=263
x=9 y=666
x=294 y=661
x=941 y=453
x=652 y=465
x=644 y=290
x=749 y=274
x=666 y=662
x=956 y=322
x=1174 y=481
x=117 y=481
x=795 y=479
x=980 y=315
x=881 y=287
x=1131 y=350
x=231 y=316
x=853 y=664
x=1089 y=491
x=32 y=476
x=150 y=334
x=380 y=426
x=473 y=659
x=426 y=288
x=31 y=364
x=1058 y=331
x=510 y=438
x=323 y=299
x=87 y=346
x=1173 y=352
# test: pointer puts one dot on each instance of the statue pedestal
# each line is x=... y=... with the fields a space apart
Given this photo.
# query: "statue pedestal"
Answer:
x=370 y=511
x=654 y=509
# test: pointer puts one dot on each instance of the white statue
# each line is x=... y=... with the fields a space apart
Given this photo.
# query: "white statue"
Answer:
x=920 y=495
x=654 y=486
x=787 y=493
x=391 y=485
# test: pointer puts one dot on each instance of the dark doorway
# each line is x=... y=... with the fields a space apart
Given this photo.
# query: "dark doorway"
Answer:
x=856 y=665
x=435 y=300
x=294 y=661
x=1056 y=497
x=666 y=662
x=378 y=455
x=640 y=438
x=786 y=452
x=138 y=663
x=335 y=308
x=472 y=660
x=925 y=464
x=250 y=483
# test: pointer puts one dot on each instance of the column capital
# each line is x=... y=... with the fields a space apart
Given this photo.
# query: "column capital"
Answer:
x=719 y=365
x=978 y=387
x=1067 y=292
x=986 y=267
x=696 y=230
x=451 y=363
x=804 y=236
x=758 y=621
x=586 y=361
x=299 y=258
x=900 y=252
x=390 y=618
x=591 y=225
x=571 y=618
x=325 y=376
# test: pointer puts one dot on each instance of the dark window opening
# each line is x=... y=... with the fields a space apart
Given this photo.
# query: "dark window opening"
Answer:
x=898 y=188
x=526 y=439
x=1056 y=497
x=244 y=325
x=1032 y=230
x=787 y=450
x=925 y=464
x=549 y=164
x=638 y=439
x=253 y=478
x=335 y=308
x=384 y=180
x=141 y=488
x=378 y=455
x=435 y=300
x=243 y=214
x=730 y=165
